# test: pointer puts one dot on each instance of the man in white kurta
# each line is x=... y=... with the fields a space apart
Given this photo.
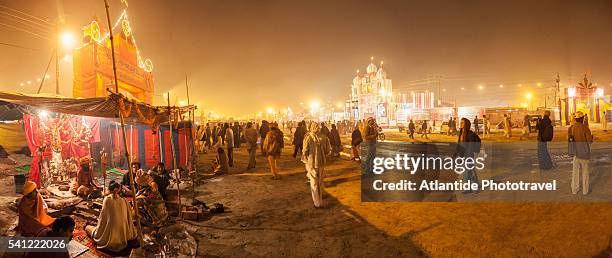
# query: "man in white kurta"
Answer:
x=316 y=148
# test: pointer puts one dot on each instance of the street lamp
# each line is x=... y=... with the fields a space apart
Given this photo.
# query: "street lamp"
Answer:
x=67 y=40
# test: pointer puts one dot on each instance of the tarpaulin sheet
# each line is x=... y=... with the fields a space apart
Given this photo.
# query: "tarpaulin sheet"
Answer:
x=12 y=137
x=94 y=107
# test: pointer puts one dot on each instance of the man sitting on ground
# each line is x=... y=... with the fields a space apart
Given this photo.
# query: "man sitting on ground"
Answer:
x=115 y=228
x=32 y=209
x=125 y=181
x=162 y=178
x=85 y=185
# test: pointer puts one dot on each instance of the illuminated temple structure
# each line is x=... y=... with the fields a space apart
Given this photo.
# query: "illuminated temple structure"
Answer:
x=372 y=95
x=93 y=65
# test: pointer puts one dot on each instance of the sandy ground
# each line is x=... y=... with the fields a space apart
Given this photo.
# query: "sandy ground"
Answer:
x=276 y=218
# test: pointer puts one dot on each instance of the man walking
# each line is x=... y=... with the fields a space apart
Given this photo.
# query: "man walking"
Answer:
x=411 y=129
x=229 y=144
x=263 y=131
x=316 y=148
x=545 y=135
x=507 y=126
x=424 y=130
x=580 y=139
x=298 y=139
x=237 y=129
x=370 y=136
x=207 y=136
x=476 y=125
x=486 y=125
x=250 y=135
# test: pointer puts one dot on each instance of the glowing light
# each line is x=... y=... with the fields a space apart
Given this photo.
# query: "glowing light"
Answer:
x=480 y=87
x=571 y=92
x=182 y=103
x=47 y=76
x=29 y=82
x=67 y=39
x=539 y=84
x=315 y=105
x=21 y=84
x=270 y=110
x=520 y=85
x=462 y=88
x=529 y=95
x=599 y=92
x=67 y=58
x=37 y=79
x=501 y=85
x=43 y=113
x=443 y=90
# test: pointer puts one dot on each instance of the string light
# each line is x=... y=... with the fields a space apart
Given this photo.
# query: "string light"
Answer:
x=145 y=64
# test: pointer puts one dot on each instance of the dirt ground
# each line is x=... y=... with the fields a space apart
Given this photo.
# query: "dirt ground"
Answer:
x=276 y=218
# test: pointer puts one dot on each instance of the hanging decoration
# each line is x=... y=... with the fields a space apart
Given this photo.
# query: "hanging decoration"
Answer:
x=125 y=110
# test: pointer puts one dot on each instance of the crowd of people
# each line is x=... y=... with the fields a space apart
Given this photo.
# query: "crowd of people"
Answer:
x=313 y=144
x=115 y=230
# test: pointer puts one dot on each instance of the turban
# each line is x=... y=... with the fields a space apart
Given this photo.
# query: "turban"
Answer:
x=28 y=187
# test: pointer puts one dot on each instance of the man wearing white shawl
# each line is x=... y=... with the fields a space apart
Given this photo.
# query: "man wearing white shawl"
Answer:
x=316 y=148
x=115 y=227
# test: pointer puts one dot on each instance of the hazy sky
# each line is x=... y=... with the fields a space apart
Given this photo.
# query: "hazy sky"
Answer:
x=244 y=56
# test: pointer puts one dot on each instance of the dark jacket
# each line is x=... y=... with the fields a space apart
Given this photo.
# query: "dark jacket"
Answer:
x=334 y=137
x=325 y=131
x=581 y=138
x=470 y=145
x=545 y=129
x=298 y=136
x=263 y=131
x=356 y=138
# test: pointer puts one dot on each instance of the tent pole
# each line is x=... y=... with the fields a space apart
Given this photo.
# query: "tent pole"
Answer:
x=110 y=31
x=174 y=165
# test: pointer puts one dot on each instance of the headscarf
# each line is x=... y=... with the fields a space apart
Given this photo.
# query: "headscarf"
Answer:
x=314 y=128
x=28 y=187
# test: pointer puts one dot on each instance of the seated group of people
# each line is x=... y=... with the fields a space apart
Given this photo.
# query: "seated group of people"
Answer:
x=115 y=229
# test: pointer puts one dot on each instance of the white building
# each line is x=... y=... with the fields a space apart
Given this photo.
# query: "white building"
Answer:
x=371 y=94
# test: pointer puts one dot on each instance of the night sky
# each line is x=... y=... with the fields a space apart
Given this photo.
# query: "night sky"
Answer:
x=244 y=56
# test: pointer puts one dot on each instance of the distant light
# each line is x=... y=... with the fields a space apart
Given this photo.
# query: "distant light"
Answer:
x=182 y=103
x=21 y=84
x=571 y=92
x=29 y=82
x=443 y=90
x=270 y=110
x=462 y=88
x=43 y=113
x=339 y=105
x=501 y=85
x=67 y=58
x=599 y=92
x=539 y=84
x=529 y=95
x=47 y=76
x=67 y=40
x=480 y=87
x=37 y=79
x=520 y=85
x=314 y=104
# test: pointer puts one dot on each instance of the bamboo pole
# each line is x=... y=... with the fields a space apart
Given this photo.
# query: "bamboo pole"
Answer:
x=174 y=165
x=125 y=145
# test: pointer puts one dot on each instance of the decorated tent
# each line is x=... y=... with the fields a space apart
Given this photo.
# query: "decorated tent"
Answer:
x=58 y=129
